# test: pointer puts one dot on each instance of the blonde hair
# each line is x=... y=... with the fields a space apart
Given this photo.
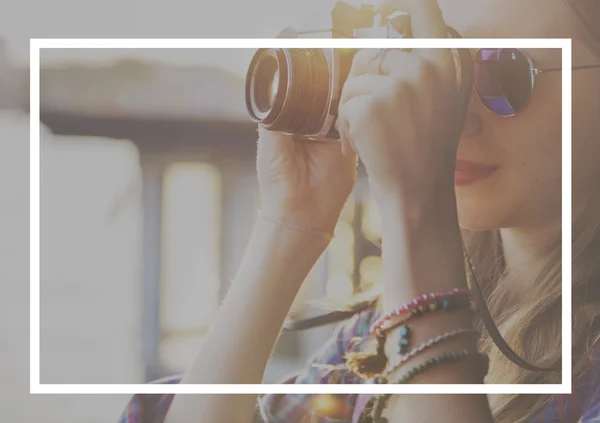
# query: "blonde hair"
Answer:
x=531 y=325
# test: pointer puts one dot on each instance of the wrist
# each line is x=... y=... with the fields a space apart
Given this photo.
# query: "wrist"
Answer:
x=290 y=224
x=316 y=218
x=276 y=261
x=292 y=247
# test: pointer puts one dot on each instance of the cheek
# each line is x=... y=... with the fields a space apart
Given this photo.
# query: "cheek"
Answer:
x=534 y=174
x=533 y=139
x=540 y=156
x=529 y=146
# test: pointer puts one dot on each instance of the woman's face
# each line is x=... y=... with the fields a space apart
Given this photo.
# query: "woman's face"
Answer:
x=525 y=189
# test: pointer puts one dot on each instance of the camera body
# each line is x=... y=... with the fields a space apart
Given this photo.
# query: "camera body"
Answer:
x=297 y=91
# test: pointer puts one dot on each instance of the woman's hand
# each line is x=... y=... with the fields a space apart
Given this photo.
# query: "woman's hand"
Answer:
x=401 y=112
x=303 y=182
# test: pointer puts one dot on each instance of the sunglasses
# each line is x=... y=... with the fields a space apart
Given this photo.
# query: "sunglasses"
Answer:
x=504 y=79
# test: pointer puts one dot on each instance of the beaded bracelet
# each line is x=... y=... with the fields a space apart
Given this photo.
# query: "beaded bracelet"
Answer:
x=381 y=401
x=420 y=305
x=368 y=364
x=420 y=348
x=437 y=305
x=439 y=359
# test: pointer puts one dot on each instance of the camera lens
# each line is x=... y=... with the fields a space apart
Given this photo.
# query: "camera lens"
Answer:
x=287 y=90
x=266 y=77
x=272 y=88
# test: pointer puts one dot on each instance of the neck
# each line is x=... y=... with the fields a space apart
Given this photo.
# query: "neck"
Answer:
x=525 y=246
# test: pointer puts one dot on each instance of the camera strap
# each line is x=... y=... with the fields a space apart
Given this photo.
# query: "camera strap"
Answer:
x=492 y=329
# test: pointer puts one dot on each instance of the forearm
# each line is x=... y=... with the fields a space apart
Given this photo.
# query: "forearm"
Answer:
x=422 y=253
x=241 y=338
x=422 y=249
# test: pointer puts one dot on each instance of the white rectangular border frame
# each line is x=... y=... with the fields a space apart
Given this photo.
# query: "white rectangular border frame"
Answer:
x=36 y=387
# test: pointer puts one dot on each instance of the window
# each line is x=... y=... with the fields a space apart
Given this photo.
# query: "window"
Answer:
x=190 y=282
x=353 y=257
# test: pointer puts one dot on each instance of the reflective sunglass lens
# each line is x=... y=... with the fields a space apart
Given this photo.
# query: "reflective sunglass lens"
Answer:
x=503 y=80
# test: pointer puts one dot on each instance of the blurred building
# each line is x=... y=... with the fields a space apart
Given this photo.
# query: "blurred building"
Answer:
x=13 y=82
x=198 y=193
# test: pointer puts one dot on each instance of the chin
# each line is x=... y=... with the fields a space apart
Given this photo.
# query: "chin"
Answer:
x=482 y=215
x=478 y=228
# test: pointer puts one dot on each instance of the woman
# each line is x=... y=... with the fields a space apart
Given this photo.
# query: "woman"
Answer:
x=497 y=178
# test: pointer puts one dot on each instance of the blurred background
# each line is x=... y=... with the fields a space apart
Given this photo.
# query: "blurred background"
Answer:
x=148 y=198
x=149 y=194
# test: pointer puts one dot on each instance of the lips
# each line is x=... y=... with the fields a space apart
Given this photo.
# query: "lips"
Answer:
x=467 y=173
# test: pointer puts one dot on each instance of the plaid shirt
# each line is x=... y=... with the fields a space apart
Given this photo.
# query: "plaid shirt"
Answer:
x=583 y=406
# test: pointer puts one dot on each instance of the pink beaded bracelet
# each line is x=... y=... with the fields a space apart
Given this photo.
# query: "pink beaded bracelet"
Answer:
x=446 y=304
x=419 y=304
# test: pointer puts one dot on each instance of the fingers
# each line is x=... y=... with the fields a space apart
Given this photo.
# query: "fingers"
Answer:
x=365 y=84
x=426 y=16
x=347 y=145
x=404 y=65
x=341 y=127
x=373 y=97
x=401 y=65
x=352 y=109
x=362 y=97
x=272 y=144
x=266 y=136
x=420 y=86
x=378 y=62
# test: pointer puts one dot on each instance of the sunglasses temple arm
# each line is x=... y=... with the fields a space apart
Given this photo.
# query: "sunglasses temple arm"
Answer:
x=537 y=72
x=586 y=67
x=541 y=71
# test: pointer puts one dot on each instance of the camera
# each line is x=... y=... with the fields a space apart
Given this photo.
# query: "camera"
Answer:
x=297 y=91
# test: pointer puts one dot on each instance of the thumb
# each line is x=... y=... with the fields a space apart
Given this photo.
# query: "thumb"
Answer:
x=273 y=144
